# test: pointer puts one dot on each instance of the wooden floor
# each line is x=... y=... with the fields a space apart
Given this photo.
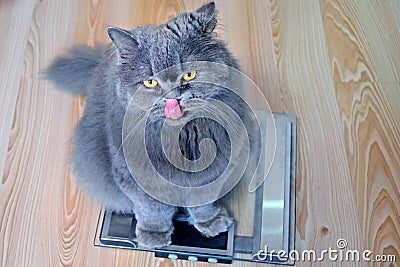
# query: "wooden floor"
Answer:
x=336 y=64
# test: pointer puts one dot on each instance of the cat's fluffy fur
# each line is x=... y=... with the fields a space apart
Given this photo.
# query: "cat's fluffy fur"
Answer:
x=108 y=77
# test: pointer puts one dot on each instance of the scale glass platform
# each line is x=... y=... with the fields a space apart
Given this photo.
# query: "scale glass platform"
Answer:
x=264 y=220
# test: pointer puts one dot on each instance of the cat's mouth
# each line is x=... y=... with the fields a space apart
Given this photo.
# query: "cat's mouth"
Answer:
x=172 y=109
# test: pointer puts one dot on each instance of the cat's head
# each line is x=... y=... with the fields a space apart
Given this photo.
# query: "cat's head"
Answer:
x=151 y=59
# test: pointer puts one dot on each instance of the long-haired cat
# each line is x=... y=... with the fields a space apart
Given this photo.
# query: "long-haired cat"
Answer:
x=109 y=78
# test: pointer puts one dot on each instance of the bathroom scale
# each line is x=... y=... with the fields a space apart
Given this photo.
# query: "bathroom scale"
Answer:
x=264 y=225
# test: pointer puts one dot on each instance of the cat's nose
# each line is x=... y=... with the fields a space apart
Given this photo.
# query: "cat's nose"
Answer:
x=176 y=98
x=175 y=93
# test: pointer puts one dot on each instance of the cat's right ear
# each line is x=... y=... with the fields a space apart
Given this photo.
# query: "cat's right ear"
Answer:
x=207 y=17
x=123 y=41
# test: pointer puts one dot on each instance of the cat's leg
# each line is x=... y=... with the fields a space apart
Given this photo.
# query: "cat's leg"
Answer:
x=154 y=218
x=154 y=223
x=210 y=219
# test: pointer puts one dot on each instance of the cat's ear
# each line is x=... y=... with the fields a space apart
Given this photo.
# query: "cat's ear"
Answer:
x=123 y=41
x=207 y=17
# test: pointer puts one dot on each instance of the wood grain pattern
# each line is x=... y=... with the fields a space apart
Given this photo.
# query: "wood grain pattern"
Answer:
x=334 y=63
x=15 y=18
x=366 y=81
x=324 y=195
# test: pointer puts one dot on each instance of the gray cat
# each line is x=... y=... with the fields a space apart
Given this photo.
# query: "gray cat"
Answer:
x=109 y=77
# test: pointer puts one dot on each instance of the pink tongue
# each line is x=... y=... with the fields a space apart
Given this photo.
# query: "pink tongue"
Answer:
x=172 y=110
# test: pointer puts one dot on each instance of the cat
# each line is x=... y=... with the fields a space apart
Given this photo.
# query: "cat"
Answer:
x=109 y=77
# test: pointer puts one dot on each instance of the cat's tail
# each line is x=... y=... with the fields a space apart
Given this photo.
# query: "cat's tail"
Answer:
x=72 y=71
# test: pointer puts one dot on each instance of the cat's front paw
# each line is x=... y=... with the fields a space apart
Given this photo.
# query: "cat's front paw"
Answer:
x=216 y=225
x=152 y=239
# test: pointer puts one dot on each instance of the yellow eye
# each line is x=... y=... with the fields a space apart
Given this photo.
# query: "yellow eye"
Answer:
x=150 y=83
x=189 y=76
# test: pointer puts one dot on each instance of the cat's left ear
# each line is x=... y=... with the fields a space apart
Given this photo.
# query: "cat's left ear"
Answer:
x=207 y=17
x=124 y=41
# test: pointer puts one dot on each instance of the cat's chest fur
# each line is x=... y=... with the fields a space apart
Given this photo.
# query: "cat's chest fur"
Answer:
x=190 y=137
